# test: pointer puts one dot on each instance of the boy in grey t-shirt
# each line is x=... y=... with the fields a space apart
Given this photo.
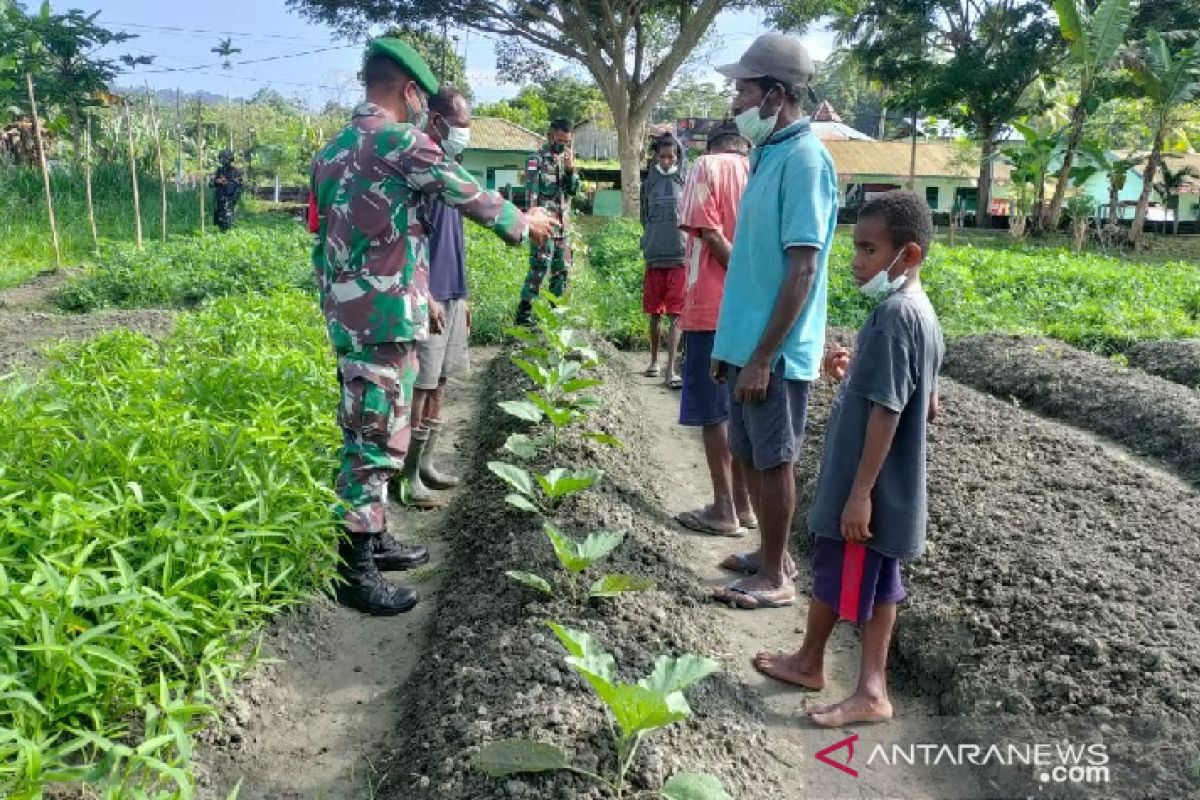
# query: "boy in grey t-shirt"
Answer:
x=869 y=512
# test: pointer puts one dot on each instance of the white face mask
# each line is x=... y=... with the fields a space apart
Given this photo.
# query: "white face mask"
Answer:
x=674 y=168
x=456 y=141
x=751 y=125
x=880 y=286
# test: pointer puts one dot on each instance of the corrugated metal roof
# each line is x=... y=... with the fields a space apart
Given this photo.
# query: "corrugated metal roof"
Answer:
x=493 y=133
x=855 y=159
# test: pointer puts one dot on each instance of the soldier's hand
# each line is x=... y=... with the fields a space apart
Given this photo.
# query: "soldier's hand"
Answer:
x=569 y=160
x=437 y=317
x=541 y=225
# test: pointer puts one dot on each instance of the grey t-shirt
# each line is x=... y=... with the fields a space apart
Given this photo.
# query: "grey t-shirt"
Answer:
x=895 y=364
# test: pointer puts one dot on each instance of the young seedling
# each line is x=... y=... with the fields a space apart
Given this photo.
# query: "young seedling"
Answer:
x=543 y=494
x=654 y=702
x=576 y=557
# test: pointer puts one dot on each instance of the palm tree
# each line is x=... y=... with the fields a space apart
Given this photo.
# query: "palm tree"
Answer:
x=1170 y=82
x=1169 y=185
x=225 y=50
x=1031 y=159
x=1116 y=171
x=1095 y=39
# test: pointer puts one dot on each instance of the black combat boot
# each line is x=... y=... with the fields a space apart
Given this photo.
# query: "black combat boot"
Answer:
x=391 y=554
x=365 y=587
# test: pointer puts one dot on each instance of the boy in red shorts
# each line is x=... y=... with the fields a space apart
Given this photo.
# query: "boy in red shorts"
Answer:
x=663 y=249
x=869 y=512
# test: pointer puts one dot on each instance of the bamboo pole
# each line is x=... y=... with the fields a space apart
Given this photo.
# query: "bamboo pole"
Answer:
x=162 y=169
x=200 y=155
x=41 y=148
x=87 y=182
x=137 y=201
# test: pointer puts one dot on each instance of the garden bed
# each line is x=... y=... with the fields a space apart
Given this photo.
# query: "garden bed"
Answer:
x=1149 y=415
x=1177 y=361
x=495 y=671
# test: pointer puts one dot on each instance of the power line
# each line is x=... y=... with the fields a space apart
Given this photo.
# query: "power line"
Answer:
x=174 y=29
x=252 y=60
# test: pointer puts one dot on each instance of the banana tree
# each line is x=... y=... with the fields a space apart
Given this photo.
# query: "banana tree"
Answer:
x=1031 y=159
x=1169 y=184
x=1116 y=171
x=1169 y=82
x=1094 y=39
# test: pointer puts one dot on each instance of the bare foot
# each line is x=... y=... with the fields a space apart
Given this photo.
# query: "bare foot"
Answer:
x=790 y=668
x=854 y=710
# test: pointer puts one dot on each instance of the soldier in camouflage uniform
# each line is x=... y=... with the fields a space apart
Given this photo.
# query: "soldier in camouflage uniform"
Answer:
x=227 y=184
x=370 y=260
x=550 y=182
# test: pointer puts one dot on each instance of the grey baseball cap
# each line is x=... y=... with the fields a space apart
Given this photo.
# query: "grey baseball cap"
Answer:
x=774 y=55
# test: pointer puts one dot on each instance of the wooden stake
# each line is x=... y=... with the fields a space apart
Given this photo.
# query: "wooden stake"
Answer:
x=200 y=155
x=137 y=200
x=87 y=182
x=41 y=148
x=162 y=169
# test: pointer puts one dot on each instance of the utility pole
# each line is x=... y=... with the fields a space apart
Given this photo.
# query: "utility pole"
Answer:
x=912 y=156
x=178 y=143
x=445 y=47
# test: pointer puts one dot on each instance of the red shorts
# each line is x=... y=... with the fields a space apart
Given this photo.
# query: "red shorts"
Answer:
x=663 y=290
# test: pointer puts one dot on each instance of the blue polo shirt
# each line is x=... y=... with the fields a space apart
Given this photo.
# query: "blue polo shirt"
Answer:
x=790 y=201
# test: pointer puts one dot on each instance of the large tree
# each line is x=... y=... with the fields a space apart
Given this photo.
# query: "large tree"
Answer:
x=971 y=60
x=690 y=97
x=631 y=48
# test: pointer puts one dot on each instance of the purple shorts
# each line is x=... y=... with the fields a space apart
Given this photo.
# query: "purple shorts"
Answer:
x=703 y=401
x=851 y=578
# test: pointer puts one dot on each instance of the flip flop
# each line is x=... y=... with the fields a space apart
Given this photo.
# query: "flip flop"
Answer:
x=749 y=567
x=695 y=521
x=653 y=372
x=748 y=521
x=675 y=382
x=760 y=598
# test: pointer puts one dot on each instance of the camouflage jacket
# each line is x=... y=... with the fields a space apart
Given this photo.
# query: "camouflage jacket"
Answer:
x=371 y=255
x=232 y=187
x=548 y=184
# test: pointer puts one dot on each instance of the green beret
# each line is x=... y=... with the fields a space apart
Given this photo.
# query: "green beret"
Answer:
x=408 y=59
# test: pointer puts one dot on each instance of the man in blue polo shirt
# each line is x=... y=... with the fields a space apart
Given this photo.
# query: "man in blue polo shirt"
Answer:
x=771 y=331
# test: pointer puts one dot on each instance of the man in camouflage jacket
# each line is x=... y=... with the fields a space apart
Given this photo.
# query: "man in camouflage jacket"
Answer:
x=371 y=262
x=550 y=183
x=227 y=186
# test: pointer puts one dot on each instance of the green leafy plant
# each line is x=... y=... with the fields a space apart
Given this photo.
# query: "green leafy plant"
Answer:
x=162 y=499
x=637 y=709
x=543 y=494
x=576 y=557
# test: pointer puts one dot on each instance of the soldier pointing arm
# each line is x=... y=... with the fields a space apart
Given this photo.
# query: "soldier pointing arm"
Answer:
x=370 y=256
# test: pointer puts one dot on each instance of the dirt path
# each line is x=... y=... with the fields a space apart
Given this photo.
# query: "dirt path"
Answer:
x=28 y=321
x=794 y=740
x=309 y=726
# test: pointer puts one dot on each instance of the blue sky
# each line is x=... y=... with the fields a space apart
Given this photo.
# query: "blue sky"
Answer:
x=181 y=35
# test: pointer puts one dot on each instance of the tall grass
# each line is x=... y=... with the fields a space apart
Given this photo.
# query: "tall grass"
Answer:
x=25 y=245
x=161 y=500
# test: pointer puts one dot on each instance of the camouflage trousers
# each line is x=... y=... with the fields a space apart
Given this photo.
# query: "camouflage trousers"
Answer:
x=223 y=209
x=553 y=256
x=377 y=384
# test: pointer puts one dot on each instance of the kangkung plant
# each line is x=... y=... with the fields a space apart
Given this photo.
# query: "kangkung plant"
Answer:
x=576 y=557
x=637 y=709
x=543 y=494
